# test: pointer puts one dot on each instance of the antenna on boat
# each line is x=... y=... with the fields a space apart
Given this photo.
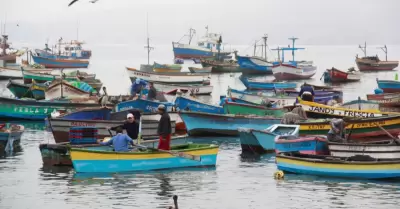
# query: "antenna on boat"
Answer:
x=265 y=37
x=148 y=47
x=384 y=49
x=191 y=34
x=363 y=48
x=293 y=41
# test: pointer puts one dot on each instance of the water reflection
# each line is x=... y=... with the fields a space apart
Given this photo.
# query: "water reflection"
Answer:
x=28 y=124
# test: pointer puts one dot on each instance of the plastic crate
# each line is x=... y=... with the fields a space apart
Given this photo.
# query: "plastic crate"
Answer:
x=83 y=135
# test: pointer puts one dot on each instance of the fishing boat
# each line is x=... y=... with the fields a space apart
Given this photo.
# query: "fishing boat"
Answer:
x=379 y=150
x=313 y=145
x=319 y=87
x=373 y=63
x=60 y=63
x=10 y=138
x=321 y=96
x=389 y=86
x=177 y=78
x=248 y=109
x=315 y=110
x=362 y=128
x=200 y=70
x=40 y=77
x=86 y=160
x=65 y=50
x=218 y=66
x=191 y=104
x=217 y=124
x=263 y=141
x=385 y=100
x=58 y=154
x=35 y=91
x=63 y=89
x=328 y=166
x=164 y=68
x=337 y=76
x=186 y=89
x=299 y=71
x=96 y=84
x=142 y=104
x=267 y=85
x=9 y=73
x=207 y=46
x=360 y=104
x=37 y=110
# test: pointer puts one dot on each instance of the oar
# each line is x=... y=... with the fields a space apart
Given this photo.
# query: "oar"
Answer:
x=139 y=139
x=174 y=153
x=390 y=135
x=351 y=130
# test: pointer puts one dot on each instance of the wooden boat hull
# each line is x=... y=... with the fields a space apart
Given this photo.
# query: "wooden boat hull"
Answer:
x=190 y=89
x=200 y=70
x=254 y=85
x=45 y=77
x=198 y=124
x=189 y=104
x=337 y=76
x=389 y=86
x=304 y=145
x=263 y=141
x=7 y=73
x=372 y=65
x=361 y=128
x=254 y=65
x=36 y=110
x=247 y=109
x=181 y=78
x=146 y=106
x=92 y=161
x=315 y=110
x=60 y=63
x=385 y=100
x=221 y=67
x=19 y=90
x=377 y=150
x=324 y=166
x=68 y=91
x=253 y=98
x=288 y=72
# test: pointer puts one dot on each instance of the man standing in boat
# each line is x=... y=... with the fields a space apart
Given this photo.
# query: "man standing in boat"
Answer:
x=131 y=126
x=137 y=86
x=337 y=133
x=164 y=129
x=152 y=92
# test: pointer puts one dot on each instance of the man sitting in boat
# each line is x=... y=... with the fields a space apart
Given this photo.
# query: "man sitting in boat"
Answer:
x=307 y=93
x=296 y=115
x=338 y=131
x=152 y=92
x=131 y=126
x=137 y=86
x=120 y=141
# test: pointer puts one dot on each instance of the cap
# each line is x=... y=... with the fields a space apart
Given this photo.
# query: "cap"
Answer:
x=137 y=80
x=161 y=107
x=130 y=115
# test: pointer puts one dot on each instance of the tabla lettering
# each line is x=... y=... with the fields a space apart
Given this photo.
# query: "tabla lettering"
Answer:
x=322 y=110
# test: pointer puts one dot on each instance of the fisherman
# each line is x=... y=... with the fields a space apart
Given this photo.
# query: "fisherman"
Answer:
x=104 y=98
x=164 y=128
x=130 y=125
x=137 y=86
x=296 y=115
x=120 y=141
x=152 y=92
x=338 y=131
x=307 y=93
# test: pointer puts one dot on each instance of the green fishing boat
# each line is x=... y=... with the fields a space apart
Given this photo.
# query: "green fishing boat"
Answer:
x=247 y=109
x=35 y=91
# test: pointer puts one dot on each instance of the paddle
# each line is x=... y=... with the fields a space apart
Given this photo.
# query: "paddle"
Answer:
x=351 y=130
x=390 y=135
x=174 y=153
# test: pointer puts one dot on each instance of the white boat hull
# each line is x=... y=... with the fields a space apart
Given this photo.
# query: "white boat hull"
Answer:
x=196 y=90
x=6 y=73
x=375 y=151
x=287 y=72
x=67 y=92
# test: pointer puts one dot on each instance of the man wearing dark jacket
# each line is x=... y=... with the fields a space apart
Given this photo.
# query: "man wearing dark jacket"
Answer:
x=131 y=127
x=164 y=129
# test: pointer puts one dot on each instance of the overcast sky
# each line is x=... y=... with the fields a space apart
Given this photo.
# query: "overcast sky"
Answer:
x=323 y=22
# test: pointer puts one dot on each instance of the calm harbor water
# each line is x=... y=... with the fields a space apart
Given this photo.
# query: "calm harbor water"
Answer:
x=236 y=182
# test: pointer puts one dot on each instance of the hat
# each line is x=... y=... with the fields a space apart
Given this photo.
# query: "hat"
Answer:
x=137 y=80
x=161 y=107
x=130 y=115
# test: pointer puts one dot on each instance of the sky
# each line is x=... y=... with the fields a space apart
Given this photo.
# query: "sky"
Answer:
x=111 y=22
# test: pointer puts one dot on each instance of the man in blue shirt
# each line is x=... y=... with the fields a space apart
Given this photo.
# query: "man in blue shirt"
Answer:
x=120 y=141
x=137 y=86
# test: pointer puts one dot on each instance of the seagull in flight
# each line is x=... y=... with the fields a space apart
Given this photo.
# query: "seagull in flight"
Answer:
x=73 y=2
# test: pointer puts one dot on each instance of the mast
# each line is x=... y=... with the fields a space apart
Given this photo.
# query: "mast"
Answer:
x=384 y=49
x=148 y=47
x=265 y=37
x=293 y=41
x=191 y=34
x=255 y=48
x=363 y=48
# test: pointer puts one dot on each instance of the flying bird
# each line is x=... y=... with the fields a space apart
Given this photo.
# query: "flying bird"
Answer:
x=73 y=2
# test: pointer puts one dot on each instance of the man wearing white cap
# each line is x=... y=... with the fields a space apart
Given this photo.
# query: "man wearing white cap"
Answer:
x=131 y=127
x=164 y=128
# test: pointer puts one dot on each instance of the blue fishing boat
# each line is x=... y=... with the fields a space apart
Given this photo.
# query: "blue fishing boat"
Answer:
x=60 y=63
x=207 y=46
x=66 y=50
x=10 y=138
x=356 y=167
x=389 y=86
x=193 y=105
x=314 y=145
x=142 y=104
x=263 y=141
x=254 y=85
x=254 y=65
x=218 y=124
x=98 y=113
